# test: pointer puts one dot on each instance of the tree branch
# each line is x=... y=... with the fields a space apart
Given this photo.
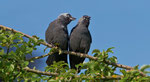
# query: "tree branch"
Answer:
x=118 y=77
x=78 y=76
x=38 y=57
x=15 y=31
x=71 y=53
x=40 y=72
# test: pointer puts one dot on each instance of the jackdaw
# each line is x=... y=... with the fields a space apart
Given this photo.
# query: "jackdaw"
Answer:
x=57 y=33
x=80 y=41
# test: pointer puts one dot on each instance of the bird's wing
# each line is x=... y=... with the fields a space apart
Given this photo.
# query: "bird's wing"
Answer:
x=75 y=40
x=85 y=41
x=49 y=32
x=90 y=37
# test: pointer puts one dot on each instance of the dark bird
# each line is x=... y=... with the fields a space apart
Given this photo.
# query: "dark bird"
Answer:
x=57 y=33
x=80 y=41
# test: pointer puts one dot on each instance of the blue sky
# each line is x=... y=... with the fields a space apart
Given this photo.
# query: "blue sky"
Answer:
x=123 y=24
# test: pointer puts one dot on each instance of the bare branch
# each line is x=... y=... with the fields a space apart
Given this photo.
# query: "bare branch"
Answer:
x=40 y=72
x=38 y=57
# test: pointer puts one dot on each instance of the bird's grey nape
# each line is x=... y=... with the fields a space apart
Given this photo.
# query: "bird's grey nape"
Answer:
x=63 y=14
x=65 y=18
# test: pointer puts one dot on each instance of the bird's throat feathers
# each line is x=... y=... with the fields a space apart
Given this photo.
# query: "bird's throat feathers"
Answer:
x=83 y=24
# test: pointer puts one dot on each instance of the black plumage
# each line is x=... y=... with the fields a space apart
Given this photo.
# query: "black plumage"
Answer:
x=57 y=33
x=80 y=40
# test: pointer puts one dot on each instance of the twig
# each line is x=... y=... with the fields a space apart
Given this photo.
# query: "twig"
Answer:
x=78 y=76
x=72 y=53
x=44 y=43
x=118 y=77
x=112 y=78
x=38 y=57
x=40 y=72
x=8 y=50
x=95 y=58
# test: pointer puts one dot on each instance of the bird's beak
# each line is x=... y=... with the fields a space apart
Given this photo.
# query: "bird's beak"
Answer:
x=72 y=18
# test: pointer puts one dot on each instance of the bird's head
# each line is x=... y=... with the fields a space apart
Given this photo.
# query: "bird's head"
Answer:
x=66 y=18
x=85 y=20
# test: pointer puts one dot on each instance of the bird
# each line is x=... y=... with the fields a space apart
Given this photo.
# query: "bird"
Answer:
x=80 y=41
x=57 y=33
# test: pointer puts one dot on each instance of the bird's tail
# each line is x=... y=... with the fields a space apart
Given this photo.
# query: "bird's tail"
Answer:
x=56 y=57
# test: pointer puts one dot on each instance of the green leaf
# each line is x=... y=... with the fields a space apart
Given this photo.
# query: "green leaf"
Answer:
x=46 y=49
x=103 y=53
x=60 y=51
x=147 y=72
x=34 y=36
x=136 y=67
x=113 y=59
x=79 y=65
x=2 y=52
x=144 y=67
x=54 y=50
x=4 y=40
x=41 y=40
x=96 y=51
x=109 y=50
x=10 y=67
x=123 y=72
x=26 y=63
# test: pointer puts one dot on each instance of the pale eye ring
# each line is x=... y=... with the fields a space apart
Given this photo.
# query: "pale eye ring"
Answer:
x=68 y=15
x=84 y=18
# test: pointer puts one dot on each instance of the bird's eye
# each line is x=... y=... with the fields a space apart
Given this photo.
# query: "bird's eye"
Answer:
x=68 y=15
x=84 y=18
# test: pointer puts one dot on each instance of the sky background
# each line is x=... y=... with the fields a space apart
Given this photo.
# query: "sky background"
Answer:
x=123 y=24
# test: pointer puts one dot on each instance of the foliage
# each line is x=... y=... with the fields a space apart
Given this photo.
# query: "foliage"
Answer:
x=13 y=51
